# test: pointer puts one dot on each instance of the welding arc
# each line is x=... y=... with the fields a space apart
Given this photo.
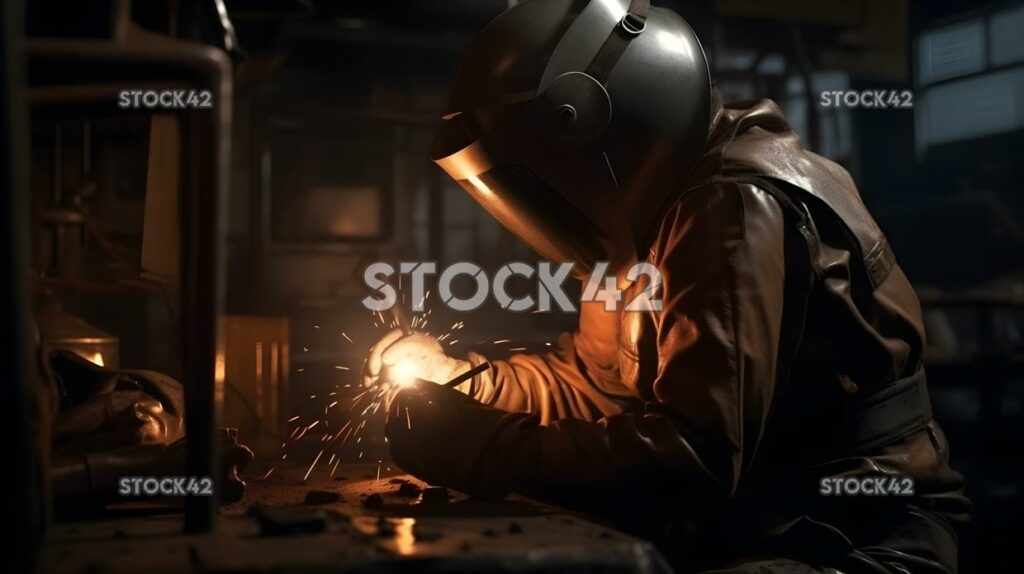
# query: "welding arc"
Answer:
x=468 y=375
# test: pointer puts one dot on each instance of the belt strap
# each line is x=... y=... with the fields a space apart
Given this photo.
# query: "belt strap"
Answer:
x=889 y=414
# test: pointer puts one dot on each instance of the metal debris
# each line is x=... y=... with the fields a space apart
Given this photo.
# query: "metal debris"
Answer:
x=409 y=489
x=434 y=495
x=322 y=497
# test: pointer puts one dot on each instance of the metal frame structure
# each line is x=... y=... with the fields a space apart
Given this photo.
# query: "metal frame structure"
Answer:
x=17 y=367
x=103 y=68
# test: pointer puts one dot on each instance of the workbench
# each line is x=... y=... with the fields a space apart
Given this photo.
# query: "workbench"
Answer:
x=356 y=521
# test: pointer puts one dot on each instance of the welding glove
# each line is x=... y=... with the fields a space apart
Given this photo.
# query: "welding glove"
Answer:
x=104 y=408
x=412 y=356
x=446 y=438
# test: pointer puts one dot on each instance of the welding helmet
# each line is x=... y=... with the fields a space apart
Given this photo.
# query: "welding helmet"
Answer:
x=571 y=121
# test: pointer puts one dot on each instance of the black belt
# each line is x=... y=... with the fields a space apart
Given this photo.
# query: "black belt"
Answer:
x=888 y=414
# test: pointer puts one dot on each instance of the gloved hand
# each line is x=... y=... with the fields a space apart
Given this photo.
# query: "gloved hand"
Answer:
x=446 y=438
x=106 y=409
x=402 y=358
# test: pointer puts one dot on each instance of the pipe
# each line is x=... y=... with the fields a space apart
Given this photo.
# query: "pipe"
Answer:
x=26 y=435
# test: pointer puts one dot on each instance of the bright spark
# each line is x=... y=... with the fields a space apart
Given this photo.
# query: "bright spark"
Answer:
x=312 y=466
x=404 y=374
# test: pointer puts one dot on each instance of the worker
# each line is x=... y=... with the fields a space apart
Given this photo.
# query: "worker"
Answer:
x=740 y=425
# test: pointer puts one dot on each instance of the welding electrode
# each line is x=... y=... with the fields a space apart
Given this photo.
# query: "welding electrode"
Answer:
x=468 y=375
x=401 y=320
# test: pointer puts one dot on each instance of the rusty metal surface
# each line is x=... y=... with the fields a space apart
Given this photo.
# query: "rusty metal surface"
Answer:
x=402 y=533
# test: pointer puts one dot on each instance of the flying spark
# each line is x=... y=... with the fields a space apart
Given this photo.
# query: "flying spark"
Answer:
x=367 y=405
x=315 y=460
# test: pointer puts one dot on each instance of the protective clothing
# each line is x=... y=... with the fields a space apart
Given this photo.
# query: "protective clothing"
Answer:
x=406 y=358
x=445 y=414
x=789 y=346
x=105 y=408
x=570 y=122
x=709 y=425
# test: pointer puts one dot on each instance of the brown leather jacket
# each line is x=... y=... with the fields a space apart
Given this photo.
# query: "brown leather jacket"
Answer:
x=715 y=418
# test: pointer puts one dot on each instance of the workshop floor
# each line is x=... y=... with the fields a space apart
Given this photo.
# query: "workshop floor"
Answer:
x=354 y=522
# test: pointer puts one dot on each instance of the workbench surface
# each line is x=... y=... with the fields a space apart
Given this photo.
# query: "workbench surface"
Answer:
x=286 y=524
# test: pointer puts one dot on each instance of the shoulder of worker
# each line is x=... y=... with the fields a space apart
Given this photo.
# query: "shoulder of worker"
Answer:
x=754 y=138
x=714 y=220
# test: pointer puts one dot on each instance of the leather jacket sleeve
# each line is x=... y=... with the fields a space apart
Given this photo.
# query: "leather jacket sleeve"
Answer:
x=578 y=379
x=720 y=251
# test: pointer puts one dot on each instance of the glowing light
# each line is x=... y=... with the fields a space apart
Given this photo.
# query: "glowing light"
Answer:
x=405 y=373
x=479 y=185
x=401 y=532
x=94 y=358
x=405 y=536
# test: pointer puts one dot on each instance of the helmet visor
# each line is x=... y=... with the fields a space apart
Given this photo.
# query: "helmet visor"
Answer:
x=560 y=202
x=537 y=214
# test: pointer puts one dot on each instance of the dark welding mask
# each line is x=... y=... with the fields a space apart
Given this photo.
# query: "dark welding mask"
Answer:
x=571 y=121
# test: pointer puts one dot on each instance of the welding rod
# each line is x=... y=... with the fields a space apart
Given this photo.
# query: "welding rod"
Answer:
x=468 y=375
x=401 y=320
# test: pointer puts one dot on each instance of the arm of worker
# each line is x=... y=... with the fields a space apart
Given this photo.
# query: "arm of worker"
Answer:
x=578 y=379
x=722 y=258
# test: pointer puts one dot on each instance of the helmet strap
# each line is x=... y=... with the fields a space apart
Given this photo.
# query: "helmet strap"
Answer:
x=632 y=24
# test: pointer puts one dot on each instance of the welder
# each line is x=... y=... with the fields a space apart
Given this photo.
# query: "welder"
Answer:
x=787 y=352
